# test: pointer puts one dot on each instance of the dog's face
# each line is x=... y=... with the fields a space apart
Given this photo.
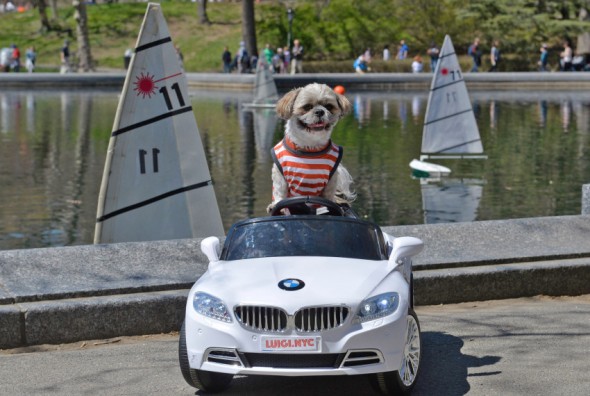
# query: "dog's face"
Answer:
x=311 y=113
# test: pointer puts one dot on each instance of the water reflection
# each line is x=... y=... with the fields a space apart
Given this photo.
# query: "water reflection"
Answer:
x=54 y=146
x=451 y=200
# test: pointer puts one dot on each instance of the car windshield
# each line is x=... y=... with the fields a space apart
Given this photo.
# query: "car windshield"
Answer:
x=304 y=236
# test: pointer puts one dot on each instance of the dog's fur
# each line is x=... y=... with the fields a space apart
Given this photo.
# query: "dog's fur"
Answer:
x=311 y=113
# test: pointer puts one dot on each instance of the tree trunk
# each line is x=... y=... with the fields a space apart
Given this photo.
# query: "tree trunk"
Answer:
x=583 y=45
x=249 y=26
x=85 y=62
x=53 y=5
x=45 y=26
x=202 y=12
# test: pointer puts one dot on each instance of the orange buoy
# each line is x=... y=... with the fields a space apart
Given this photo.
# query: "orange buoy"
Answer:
x=339 y=89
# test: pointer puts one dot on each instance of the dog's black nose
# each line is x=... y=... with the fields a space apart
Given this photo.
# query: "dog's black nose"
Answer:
x=319 y=112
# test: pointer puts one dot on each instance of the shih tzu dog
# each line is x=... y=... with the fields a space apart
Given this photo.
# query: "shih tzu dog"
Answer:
x=306 y=162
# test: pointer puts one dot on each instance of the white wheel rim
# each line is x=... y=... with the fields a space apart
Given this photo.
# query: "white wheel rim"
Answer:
x=411 y=358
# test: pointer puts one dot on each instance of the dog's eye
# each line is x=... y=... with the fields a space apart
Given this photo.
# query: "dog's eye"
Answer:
x=307 y=107
x=329 y=107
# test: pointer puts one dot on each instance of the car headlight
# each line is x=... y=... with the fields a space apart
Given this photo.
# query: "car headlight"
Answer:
x=377 y=307
x=211 y=307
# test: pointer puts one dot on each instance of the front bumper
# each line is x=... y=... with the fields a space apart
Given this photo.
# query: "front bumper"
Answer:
x=351 y=349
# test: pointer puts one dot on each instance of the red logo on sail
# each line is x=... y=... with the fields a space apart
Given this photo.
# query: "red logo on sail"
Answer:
x=145 y=85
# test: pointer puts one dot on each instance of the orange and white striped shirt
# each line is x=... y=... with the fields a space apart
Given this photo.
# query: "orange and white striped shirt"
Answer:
x=307 y=173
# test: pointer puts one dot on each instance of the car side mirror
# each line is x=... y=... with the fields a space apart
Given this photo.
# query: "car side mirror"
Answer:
x=210 y=247
x=403 y=247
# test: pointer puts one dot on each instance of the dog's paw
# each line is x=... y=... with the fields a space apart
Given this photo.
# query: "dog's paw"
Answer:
x=270 y=207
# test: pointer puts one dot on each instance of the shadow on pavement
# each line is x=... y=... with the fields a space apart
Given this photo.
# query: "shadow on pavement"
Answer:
x=445 y=368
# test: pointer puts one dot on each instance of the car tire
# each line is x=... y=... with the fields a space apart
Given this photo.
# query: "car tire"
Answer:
x=403 y=380
x=206 y=381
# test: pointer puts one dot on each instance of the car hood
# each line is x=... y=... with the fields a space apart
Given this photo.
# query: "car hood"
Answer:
x=327 y=280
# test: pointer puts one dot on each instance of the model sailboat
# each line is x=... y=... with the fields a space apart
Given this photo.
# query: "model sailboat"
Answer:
x=450 y=129
x=156 y=182
x=265 y=89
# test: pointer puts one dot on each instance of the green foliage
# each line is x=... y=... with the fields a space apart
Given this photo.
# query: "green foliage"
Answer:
x=330 y=30
x=333 y=32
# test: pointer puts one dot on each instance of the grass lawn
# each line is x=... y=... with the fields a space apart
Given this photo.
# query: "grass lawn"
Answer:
x=114 y=27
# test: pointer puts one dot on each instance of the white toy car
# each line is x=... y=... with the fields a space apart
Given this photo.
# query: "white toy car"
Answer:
x=303 y=295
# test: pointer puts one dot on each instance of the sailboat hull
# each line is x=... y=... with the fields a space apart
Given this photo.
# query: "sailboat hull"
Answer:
x=429 y=169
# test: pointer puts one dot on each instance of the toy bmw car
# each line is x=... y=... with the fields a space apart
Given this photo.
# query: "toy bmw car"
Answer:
x=303 y=295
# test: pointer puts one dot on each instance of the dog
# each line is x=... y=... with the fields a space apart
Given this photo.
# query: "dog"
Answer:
x=306 y=162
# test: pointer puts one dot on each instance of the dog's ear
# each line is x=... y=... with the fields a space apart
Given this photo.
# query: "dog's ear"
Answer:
x=285 y=104
x=344 y=104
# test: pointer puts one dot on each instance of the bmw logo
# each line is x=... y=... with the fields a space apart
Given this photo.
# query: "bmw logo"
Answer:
x=291 y=284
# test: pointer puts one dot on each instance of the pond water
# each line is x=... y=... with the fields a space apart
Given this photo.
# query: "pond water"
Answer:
x=53 y=148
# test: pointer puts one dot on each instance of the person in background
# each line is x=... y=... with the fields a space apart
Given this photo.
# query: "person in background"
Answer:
x=360 y=65
x=287 y=55
x=15 y=64
x=65 y=57
x=475 y=53
x=31 y=58
x=180 y=57
x=127 y=58
x=567 y=56
x=417 y=65
x=433 y=52
x=278 y=61
x=226 y=59
x=243 y=59
x=297 y=57
x=386 y=53
x=495 y=55
x=403 y=50
x=268 y=55
x=368 y=56
x=544 y=58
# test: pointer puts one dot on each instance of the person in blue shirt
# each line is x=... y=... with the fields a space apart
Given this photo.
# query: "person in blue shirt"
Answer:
x=403 y=50
x=360 y=65
x=544 y=58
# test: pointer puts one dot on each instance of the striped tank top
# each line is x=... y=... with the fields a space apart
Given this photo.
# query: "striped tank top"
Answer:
x=307 y=173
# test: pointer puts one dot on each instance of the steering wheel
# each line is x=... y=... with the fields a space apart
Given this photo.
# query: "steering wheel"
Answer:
x=304 y=205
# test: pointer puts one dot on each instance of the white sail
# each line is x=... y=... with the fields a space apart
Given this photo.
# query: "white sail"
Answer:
x=449 y=124
x=156 y=182
x=265 y=89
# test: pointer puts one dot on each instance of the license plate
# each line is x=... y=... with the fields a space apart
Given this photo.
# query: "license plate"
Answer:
x=287 y=344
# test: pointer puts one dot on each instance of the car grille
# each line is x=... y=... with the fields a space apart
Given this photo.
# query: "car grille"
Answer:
x=294 y=361
x=313 y=319
x=261 y=318
x=306 y=320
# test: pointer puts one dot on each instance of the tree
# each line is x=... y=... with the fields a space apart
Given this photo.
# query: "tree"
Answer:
x=84 y=56
x=53 y=5
x=249 y=27
x=202 y=12
x=42 y=6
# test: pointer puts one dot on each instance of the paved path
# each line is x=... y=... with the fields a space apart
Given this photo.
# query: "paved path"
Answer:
x=370 y=81
x=532 y=346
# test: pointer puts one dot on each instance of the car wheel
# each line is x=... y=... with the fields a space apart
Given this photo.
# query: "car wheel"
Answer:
x=206 y=381
x=403 y=380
